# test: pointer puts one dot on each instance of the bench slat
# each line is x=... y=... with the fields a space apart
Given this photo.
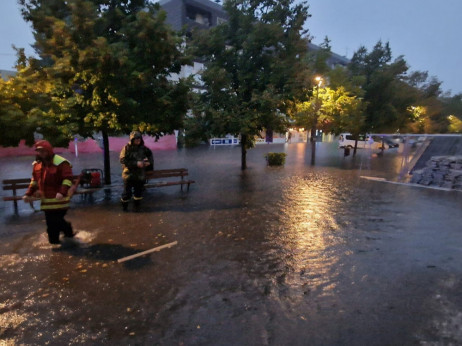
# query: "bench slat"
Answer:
x=24 y=180
x=15 y=187
x=157 y=176
x=77 y=192
x=169 y=183
x=166 y=173
x=169 y=170
x=16 y=181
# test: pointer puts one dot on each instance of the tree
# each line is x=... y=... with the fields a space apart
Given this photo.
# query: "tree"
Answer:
x=453 y=109
x=253 y=64
x=23 y=102
x=109 y=65
x=332 y=110
x=383 y=87
x=311 y=112
x=317 y=59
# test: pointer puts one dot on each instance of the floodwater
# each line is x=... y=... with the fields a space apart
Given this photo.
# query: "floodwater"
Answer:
x=305 y=254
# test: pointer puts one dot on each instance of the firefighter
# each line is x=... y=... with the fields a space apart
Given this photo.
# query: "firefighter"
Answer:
x=51 y=181
x=136 y=159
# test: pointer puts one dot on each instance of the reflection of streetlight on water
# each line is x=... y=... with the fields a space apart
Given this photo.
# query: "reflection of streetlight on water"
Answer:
x=319 y=81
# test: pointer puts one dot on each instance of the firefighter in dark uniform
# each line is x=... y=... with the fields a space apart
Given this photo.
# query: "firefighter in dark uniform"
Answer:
x=136 y=159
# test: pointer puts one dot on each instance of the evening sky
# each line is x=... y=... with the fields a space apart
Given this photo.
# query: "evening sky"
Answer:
x=426 y=32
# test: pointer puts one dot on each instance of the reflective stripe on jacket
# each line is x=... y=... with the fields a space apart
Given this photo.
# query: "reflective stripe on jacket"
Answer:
x=49 y=179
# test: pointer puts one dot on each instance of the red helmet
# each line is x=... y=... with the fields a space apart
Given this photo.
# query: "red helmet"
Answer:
x=42 y=144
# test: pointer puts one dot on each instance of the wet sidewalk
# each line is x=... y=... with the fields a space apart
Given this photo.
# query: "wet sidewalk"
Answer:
x=305 y=254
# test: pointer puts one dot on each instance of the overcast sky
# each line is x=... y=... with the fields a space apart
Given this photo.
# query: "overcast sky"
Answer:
x=13 y=30
x=427 y=32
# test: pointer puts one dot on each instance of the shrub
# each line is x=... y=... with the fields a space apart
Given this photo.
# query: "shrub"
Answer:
x=276 y=159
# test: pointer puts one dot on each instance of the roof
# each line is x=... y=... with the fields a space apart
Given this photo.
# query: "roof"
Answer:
x=334 y=57
x=208 y=3
x=6 y=74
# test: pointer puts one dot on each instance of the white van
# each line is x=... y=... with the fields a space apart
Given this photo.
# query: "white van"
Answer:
x=346 y=140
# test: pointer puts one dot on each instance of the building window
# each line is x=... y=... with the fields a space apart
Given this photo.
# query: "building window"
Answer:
x=198 y=15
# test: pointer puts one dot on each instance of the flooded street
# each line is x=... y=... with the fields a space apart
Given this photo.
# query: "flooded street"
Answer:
x=305 y=254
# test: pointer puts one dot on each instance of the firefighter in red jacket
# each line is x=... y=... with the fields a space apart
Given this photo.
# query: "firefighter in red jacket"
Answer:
x=51 y=181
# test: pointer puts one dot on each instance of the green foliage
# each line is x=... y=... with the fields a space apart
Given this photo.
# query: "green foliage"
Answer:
x=451 y=110
x=317 y=60
x=383 y=84
x=453 y=105
x=332 y=110
x=339 y=76
x=393 y=96
x=455 y=124
x=24 y=102
x=253 y=63
x=104 y=66
x=276 y=159
x=107 y=65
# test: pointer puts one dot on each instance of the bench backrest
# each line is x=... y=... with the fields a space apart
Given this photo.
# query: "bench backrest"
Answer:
x=166 y=173
x=21 y=183
x=16 y=184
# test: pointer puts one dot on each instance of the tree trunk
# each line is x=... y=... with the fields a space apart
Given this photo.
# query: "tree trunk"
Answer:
x=313 y=133
x=107 y=161
x=313 y=153
x=243 y=152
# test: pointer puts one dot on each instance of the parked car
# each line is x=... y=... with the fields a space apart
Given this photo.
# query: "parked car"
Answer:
x=346 y=140
x=389 y=143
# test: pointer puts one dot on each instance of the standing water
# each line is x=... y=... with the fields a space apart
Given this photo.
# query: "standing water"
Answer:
x=304 y=254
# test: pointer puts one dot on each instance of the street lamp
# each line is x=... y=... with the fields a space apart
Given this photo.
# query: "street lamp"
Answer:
x=319 y=81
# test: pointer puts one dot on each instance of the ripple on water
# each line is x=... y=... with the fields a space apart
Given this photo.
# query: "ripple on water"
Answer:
x=309 y=242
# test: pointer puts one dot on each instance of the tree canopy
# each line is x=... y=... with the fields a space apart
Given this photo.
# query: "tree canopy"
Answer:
x=383 y=84
x=107 y=66
x=253 y=64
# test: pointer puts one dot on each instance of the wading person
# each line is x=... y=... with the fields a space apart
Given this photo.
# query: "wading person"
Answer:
x=51 y=181
x=136 y=159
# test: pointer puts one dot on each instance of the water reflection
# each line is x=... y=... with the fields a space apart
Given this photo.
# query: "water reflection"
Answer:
x=311 y=235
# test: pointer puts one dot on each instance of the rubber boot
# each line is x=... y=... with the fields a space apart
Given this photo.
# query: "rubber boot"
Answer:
x=68 y=231
x=124 y=206
x=137 y=204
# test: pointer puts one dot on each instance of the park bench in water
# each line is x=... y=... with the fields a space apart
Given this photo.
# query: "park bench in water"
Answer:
x=15 y=185
x=156 y=178
x=163 y=177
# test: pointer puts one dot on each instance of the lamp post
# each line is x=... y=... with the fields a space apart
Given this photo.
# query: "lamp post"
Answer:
x=318 y=80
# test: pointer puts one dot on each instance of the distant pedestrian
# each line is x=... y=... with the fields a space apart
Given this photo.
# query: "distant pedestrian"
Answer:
x=370 y=141
x=51 y=181
x=136 y=159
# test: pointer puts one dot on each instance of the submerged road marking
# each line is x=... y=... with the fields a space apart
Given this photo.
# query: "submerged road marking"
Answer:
x=120 y=260
x=383 y=180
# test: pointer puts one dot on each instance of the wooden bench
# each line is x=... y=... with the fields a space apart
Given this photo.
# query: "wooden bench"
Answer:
x=167 y=174
x=23 y=183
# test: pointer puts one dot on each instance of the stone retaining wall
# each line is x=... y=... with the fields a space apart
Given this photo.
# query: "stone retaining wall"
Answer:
x=442 y=171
